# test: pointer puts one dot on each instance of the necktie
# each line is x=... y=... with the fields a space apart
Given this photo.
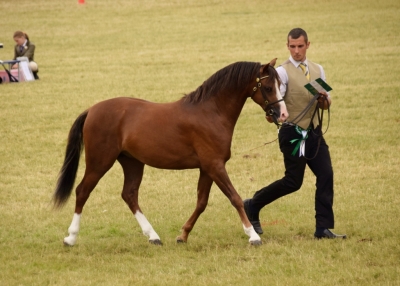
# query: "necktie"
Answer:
x=21 y=48
x=305 y=71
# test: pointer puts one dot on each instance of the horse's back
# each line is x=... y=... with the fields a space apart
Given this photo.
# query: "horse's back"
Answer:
x=156 y=134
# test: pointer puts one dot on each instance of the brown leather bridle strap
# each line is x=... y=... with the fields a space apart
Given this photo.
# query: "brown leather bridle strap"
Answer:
x=258 y=80
x=269 y=111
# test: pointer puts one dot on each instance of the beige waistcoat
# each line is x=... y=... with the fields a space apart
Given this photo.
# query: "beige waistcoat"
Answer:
x=297 y=96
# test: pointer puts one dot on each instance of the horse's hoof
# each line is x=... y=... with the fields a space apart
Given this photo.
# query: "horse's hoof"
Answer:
x=68 y=241
x=67 y=244
x=180 y=240
x=155 y=242
x=256 y=242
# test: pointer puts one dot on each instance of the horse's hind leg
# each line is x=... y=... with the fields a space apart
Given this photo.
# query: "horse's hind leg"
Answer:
x=83 y=191
x=96 y=167
x=203 y=192
x=133 y=173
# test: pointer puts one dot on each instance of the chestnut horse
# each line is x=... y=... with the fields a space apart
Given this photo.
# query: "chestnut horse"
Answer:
x=193 y=132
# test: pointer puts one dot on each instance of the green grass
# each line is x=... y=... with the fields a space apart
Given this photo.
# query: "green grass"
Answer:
x=159 y=50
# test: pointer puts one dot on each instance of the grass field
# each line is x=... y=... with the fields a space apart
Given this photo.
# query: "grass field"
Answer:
x=159 y=50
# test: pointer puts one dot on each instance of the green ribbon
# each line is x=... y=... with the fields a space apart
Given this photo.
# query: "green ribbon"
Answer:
x=299 y=140
x=297 y=145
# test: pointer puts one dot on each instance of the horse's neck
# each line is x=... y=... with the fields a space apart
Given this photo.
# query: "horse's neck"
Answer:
x=230 y=105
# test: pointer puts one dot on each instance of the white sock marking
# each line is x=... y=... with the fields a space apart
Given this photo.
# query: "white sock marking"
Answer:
x=146 y=226
x=251 y=233
x=73 y=230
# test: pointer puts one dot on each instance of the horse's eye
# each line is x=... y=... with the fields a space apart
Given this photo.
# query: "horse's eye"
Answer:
x=268 y=89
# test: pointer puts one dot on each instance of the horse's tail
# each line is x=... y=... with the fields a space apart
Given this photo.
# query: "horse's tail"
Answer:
x=67 y=175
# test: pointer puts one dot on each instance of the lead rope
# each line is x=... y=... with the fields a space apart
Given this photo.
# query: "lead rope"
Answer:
x=320 y=120
x=303 y=113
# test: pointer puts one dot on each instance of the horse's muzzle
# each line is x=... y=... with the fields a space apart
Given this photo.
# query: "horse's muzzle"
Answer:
x=273 y=112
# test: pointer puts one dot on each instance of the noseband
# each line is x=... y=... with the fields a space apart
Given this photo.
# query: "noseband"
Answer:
x=269 y=111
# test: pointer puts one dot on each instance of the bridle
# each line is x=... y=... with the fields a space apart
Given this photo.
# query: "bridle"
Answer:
x=269 y=110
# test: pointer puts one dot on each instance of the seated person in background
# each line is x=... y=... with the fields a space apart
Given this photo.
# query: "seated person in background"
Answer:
x=24 y=48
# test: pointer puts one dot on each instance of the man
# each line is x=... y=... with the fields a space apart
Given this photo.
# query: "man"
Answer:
x=300 y=140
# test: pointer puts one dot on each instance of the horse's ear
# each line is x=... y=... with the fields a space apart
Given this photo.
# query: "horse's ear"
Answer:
x=264 y=68
x=273 y=62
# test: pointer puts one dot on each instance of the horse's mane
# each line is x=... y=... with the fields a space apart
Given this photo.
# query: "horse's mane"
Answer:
x=230 y=77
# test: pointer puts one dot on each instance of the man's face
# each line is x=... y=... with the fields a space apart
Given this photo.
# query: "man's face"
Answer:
x=298 y=48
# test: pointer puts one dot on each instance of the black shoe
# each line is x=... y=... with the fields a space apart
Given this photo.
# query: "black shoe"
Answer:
x=252 y=216
x=35 y=76
x=328 y=234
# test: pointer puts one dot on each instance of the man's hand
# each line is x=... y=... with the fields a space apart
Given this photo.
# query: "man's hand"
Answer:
x=324 y=101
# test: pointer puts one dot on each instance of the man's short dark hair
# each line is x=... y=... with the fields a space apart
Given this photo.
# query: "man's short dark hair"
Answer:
x=297 y=33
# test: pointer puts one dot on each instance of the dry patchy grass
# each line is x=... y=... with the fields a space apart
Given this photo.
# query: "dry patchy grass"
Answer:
x=159 y=50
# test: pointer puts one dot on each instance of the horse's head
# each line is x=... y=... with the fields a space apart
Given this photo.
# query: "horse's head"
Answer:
x=266 y=93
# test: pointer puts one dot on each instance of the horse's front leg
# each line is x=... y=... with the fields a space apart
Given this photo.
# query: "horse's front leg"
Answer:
x=221 y=178
x=147 y=228
x=203 y=192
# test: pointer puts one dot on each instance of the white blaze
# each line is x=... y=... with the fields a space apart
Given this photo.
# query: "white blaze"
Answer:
x=284 y=113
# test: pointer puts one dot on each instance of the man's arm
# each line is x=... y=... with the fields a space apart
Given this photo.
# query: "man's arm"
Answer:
x=324 y=101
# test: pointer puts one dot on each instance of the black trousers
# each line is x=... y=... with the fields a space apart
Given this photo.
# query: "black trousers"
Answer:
x=295 y=166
